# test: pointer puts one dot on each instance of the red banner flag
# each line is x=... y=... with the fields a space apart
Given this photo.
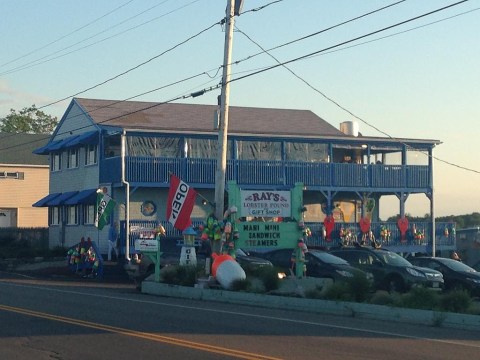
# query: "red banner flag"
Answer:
x=181 y=199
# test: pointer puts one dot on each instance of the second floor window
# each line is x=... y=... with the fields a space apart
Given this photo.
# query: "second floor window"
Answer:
x=90 y=154
x=72 y=160
x=56 y=162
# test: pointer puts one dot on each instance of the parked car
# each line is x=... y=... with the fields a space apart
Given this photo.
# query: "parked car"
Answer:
x=391 y=272
x=249 y=262
x=456 y=274
x=319 y=264
x=476 y=266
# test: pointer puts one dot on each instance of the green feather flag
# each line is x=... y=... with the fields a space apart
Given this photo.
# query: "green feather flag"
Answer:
x=104 y=207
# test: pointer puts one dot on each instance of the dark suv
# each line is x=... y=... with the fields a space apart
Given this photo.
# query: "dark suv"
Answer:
x=391 y=272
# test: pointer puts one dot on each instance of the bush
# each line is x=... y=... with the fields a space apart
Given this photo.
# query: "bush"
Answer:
x=420 y=298
x=384 y=298
x=268 y=275
x=179 y=275
x=355 y=289
x=340 y=291
x=241 y=285
x=456 y=301
x=359 y=287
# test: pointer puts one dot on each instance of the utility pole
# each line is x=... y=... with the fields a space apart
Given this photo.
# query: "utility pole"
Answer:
x=224 y=104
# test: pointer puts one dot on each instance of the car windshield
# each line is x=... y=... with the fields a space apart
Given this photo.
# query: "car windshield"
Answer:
x=328 y=258
x=393 y=259
x=456 y=265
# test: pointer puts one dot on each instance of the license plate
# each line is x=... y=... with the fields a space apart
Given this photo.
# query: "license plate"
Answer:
x=436 y=285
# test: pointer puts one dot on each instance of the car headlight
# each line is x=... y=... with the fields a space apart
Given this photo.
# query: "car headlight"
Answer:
x=414 y=272
x=344 y=273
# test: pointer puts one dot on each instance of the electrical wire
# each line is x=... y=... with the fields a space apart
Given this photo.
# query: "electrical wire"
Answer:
x=66 y=35
x=301 y=58
x=48 y=58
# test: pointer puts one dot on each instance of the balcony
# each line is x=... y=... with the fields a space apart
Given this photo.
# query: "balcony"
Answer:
x=154 y=171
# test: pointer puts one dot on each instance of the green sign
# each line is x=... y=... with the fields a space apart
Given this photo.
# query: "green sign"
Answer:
x=267 y=232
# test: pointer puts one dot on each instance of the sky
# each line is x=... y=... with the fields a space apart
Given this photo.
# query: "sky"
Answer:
x=393 y=71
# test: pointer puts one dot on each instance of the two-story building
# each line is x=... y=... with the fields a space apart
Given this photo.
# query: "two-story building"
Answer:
x=23 y=179
x=130 y=148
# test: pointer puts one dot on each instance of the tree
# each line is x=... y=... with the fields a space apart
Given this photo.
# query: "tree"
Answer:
x=29 y=120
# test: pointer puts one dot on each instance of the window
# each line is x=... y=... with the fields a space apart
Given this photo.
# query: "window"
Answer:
x=12 y=175
x=154 y=147
x=72 y=215
x=72 y=160
x=306 y=152
x=205 y=148
x=54 y=215
x=90 y=154
x=88 y=214
x=259 y=150
x=56 y=162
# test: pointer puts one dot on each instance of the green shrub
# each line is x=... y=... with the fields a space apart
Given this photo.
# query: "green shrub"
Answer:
x=359 y=287
x=338 y=291
x=179 y=275
x=241 y=285
x=315 y=293
x=420 y=298
x=456 y=301
x=384 y=298
x=269 y=277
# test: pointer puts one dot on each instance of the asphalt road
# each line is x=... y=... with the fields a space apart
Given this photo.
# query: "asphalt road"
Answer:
x=45 y=319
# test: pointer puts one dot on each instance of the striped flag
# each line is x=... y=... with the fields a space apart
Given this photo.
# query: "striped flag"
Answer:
x=181 y=199
x=103 y=209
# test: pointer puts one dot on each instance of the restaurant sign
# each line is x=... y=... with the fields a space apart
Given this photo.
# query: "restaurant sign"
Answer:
x=265 y=203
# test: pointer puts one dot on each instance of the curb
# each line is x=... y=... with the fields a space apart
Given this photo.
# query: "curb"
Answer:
x=347 y=309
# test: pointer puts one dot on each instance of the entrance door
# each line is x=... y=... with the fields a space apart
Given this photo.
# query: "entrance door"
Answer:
x=5 y=218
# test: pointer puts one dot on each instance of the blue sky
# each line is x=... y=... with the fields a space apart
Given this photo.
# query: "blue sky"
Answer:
x=416 y=80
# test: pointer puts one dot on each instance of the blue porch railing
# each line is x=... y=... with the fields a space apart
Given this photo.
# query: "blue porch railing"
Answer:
x=140 y=229
x=155 y=171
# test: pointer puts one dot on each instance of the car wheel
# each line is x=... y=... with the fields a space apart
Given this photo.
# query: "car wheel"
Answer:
x=395 y=284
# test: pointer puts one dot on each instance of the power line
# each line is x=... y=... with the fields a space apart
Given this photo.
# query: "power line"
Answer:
x=350 y=112
x=66 y=35
x=349 y=41
x=309 y=55
x=133 y=68
x=48 y=58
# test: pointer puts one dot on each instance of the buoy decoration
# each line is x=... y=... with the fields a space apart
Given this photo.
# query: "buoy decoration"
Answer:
x=226 y=270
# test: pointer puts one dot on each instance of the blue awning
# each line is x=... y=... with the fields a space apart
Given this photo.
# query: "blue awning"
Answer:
x=44 y=150
x=83 y=197
x=87 y=138
x=60 y=200
x=43 y=202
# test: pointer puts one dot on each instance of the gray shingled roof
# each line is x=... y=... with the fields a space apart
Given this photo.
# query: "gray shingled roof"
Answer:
x=17 y=148
x=199 y=118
